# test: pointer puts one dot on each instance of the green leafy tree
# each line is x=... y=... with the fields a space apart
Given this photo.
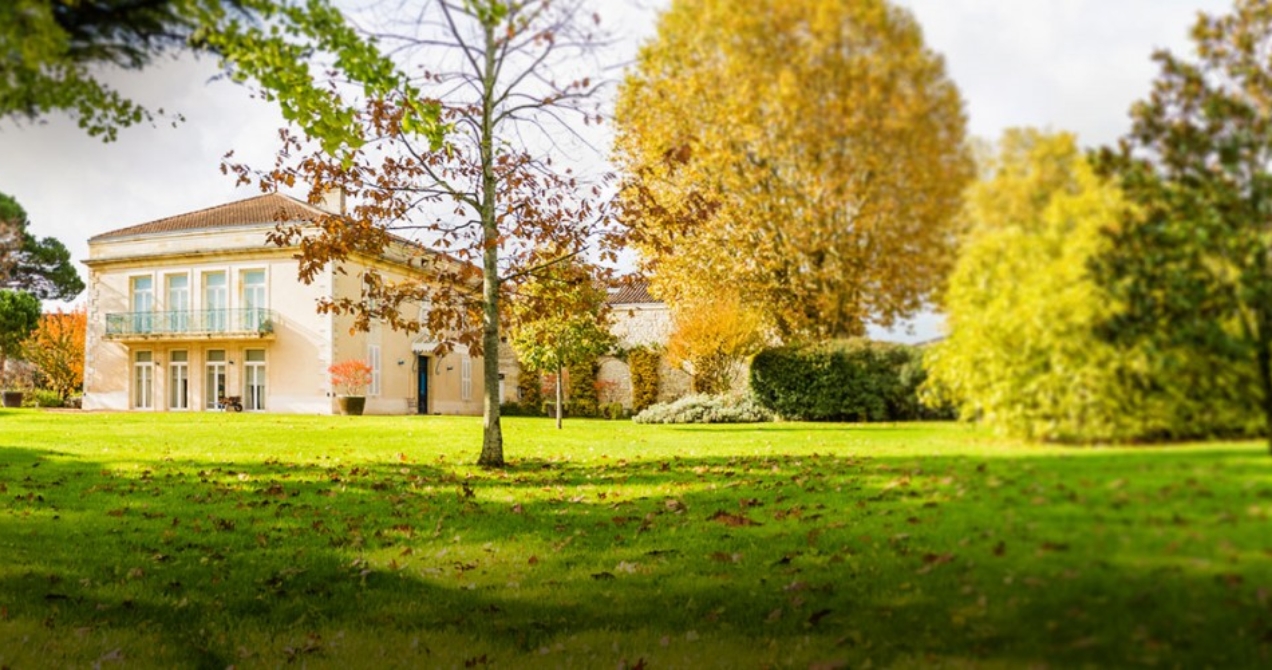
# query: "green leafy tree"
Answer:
x=1191 y=261
x=1022 y=309
x=41 y=267
x=809 y=154
x=19 y=317
x=53 y=54
x=561 y=320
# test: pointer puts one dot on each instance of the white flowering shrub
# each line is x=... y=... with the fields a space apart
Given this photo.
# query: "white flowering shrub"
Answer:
x=706 y=409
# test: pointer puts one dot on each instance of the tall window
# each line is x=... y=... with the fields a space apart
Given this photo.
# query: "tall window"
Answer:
x=254 y=379
x=253 y=299
x=466 y=378
x=179 y=380
x=216 y=294
x=214 y=378
x=143 y=380
x=143 y=304
x=373 y=353
x=178 y=303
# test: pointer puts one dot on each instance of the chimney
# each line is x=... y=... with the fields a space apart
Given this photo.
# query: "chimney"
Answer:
x=333 y=201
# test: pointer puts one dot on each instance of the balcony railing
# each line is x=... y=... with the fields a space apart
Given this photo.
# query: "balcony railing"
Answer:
x=211 y=322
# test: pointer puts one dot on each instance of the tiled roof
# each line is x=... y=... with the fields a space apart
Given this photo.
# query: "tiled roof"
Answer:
x=266 y=208
x=630 y=294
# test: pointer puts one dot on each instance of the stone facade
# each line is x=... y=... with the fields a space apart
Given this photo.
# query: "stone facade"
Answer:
x=642 y=323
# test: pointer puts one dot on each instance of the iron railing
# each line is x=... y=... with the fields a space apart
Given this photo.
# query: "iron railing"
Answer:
x=207 y=322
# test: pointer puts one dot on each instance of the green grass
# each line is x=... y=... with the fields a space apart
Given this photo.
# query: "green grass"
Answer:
x=210 y=540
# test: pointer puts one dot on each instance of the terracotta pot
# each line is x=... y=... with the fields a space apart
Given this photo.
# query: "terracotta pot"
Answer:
x=352 y=405
x=13 y=398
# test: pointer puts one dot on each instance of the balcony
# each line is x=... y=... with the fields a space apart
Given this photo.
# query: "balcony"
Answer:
x=212 y=324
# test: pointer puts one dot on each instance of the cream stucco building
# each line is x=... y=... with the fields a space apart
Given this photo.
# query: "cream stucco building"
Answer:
x=187 y=309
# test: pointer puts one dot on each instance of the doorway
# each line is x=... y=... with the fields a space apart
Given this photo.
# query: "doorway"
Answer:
x=421 y=374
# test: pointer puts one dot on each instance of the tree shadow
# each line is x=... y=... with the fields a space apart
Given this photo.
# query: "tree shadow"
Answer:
x=1106 y=557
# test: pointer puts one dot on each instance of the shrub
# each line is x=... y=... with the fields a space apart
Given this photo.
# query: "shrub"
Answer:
x=516 y=409
x=582 y=408
x=613 y=411
x=42 y=398
x=643 y=363
x=530 y=390
x=850 y=380
x=706 y=409
x=582 y=383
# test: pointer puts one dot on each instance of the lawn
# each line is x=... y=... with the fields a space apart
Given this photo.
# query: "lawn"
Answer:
x=211 y=540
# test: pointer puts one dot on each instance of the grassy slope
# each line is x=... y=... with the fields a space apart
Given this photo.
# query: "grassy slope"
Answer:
x=210 y=540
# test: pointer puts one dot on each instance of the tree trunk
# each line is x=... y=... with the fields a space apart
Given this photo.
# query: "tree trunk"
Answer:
x=492 y=433
x=560 y=398
x=1263 y=340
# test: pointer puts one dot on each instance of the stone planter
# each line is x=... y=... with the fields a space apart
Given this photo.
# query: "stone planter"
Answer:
x=352 y=405
x=13 y=398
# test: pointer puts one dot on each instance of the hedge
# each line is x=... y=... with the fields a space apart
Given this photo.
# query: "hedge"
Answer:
x=846 y=380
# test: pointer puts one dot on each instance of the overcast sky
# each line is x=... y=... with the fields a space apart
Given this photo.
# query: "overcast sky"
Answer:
x=1062 y=64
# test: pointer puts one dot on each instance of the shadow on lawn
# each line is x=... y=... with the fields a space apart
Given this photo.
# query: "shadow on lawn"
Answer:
x=1105 y=557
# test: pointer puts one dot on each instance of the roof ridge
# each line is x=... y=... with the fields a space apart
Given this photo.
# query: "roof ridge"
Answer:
x=154 y=224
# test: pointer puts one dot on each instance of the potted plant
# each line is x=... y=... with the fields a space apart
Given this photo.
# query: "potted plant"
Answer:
x=15 y=384
x=350 y=380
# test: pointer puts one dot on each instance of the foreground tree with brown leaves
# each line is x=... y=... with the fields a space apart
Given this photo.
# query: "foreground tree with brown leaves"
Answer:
x=506 y=77
x=808 y=154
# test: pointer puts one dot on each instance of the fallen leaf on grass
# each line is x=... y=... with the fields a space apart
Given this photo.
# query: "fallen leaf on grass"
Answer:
x=1046 y=547
x=115 y=655
x=931 y=561
x=731 y=519
x=817 y=616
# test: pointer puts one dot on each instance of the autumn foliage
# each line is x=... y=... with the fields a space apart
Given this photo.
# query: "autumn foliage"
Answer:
x=56 y=348
x=808 y=153
x=712 y=340
x=644 y=364
x=351 y=377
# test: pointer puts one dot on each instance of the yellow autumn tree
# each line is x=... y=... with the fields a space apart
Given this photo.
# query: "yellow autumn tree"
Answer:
x=809 y=154
x=712 y=340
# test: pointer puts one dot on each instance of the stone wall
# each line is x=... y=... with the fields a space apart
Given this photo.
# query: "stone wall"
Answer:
x=641 y=324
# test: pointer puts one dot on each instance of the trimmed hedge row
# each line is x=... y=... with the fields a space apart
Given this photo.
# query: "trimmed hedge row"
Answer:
x=847 y=380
